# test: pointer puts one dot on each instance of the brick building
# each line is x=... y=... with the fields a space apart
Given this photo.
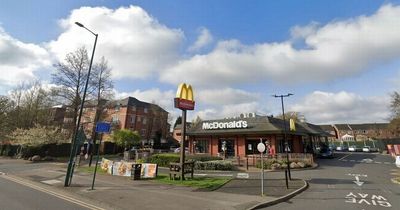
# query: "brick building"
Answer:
x=241 y=136
x=360 y=132
x=149 y=120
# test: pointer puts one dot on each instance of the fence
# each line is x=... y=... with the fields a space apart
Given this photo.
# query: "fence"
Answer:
x=252 y=160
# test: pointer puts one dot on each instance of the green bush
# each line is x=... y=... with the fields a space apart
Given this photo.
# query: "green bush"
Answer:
x=163 y=160
x=202 y=158
x=221 y=165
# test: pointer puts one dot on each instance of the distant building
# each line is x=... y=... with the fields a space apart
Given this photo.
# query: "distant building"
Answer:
x=149 y=120
x=177 y=132
x=360 y=132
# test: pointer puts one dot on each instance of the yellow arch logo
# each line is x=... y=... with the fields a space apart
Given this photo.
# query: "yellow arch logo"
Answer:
x=184 y=97
x=292 y=125
x=185 y=92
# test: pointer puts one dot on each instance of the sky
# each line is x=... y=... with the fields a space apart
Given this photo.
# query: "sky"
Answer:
x=340 y=59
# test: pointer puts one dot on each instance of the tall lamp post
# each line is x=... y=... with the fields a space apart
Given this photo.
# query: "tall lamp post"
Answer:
x=70 y=170
x=284 y=133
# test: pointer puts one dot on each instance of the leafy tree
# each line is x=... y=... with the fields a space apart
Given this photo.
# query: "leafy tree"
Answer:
x=37 y=136
x=30 y=105
x=126 y=138
x=5 y=107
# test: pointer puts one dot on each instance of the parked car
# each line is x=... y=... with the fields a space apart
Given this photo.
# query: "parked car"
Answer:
x=370 y=149
x=366 y=149
x=355 y=149
x=342 y=148
x=325 y=152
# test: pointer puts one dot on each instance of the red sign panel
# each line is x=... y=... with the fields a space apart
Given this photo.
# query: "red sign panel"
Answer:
x=184 y=104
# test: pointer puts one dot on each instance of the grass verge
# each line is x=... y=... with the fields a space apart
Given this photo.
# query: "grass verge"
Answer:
x=209 y=183
x=90 y=170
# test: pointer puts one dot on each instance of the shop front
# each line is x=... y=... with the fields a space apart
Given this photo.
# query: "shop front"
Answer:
x=239 y=137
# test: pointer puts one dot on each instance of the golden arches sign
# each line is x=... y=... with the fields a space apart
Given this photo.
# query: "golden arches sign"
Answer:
x=184 y=97
x=292 y=125
x=185 y=92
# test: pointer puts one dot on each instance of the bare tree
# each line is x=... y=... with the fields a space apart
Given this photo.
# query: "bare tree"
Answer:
x=102 y=85
x=71 y=76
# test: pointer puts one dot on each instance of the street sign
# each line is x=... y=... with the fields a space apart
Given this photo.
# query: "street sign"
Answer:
x=103 y=127
x=261 y=147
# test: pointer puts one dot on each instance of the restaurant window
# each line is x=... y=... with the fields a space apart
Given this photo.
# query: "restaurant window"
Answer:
x=201 y=146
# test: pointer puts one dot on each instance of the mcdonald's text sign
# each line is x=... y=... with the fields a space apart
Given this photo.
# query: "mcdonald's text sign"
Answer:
x=184 y=97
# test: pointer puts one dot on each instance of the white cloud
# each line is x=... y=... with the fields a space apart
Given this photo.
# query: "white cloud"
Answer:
x=135 y=43
x=342 y=107
x=203 y=40
x=338 y=49
x=225 y=96
x=19 y=60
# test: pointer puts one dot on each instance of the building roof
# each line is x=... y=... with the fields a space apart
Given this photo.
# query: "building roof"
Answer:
x=129 y=101
x=258 y=125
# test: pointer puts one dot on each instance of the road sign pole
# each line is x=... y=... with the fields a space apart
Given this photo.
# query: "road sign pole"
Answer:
x=97 y=161
x=262 y=175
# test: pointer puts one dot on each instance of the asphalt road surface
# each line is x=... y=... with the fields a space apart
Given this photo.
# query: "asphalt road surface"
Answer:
x=350 y=181
x=16 y=196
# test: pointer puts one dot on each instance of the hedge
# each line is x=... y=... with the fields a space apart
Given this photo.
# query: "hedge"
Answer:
x=221 y=165
x=163 y=160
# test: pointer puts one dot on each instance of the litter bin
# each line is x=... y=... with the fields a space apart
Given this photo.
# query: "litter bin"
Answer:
x=136 y=171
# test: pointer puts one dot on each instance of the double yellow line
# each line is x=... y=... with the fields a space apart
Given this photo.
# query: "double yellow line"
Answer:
x=58 y=195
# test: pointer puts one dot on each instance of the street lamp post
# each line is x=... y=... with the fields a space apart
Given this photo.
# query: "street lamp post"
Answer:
x=70 y=170
x=284 y=133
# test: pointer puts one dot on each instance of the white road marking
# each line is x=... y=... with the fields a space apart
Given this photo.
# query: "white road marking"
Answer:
x=387 y=163
x=344 y=160
x=242 y=175
x=58 y=195
x=51 y=181
x=352 y=161
x=345 y=157
x=378 y=162
x=2 y=173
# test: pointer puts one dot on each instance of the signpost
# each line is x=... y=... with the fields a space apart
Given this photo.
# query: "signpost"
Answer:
x=261 y=149
x=184 y=101
x=101 y=127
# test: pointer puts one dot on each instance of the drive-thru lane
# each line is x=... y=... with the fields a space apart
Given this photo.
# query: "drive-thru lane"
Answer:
x=363 y=183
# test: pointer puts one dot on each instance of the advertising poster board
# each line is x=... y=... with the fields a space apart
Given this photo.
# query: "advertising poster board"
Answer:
x=149 y=170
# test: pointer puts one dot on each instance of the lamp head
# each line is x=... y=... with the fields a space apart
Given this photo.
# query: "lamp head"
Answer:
x=79 y=24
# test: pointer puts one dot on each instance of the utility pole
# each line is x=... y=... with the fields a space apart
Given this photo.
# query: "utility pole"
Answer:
x=285 y=131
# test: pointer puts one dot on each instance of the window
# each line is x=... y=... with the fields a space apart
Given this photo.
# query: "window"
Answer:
x=117 y=108
x=145 y=110
x=144 y=121
x=133 y=118
x=115 y=118
x=133 y=108
x=202 y=146
x=138 y=118
x=143 y=132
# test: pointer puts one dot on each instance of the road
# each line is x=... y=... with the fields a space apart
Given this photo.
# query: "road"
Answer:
x=350 y=181
x=17 y=196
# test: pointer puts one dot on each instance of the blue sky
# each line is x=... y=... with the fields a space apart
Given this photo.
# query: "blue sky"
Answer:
x=339 y=58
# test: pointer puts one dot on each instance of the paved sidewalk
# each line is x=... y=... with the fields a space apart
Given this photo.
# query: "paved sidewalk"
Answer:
x=113 y=192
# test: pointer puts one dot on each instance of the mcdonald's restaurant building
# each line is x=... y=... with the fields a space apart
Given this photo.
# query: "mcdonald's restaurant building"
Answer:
x=241 y=136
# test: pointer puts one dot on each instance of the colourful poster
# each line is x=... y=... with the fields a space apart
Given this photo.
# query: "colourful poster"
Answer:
x=149 y=170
